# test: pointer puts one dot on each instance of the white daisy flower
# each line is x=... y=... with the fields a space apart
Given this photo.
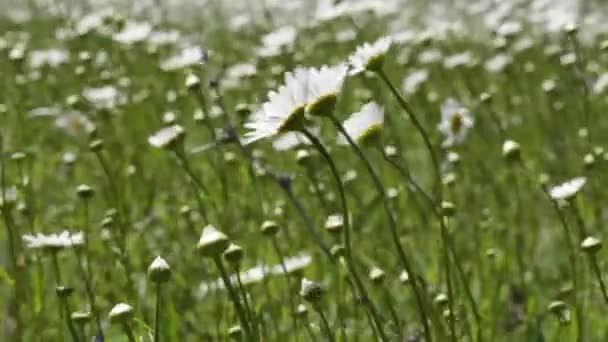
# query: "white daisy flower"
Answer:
x=187 y=57
x=274 y=42
x=49 y=57
x=284 y=110
x=456 y=120
x=74 y=123
x=567 y=190
x=167 y=136
x=159 y=38
x=62 y=240
x=289 y=141
x=498 y=63
x=106 y=97
x=133 y=32
x=413 y=81
x=365 y=125
x=323 y=87
x=292 y=264
x=457 y=60
x=369 y=56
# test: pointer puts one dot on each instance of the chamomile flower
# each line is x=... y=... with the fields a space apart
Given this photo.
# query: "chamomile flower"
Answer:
x=74 y=123
x=323 y=87
x=455 y=122
x=289 y=141
x=53 y=242
x=185 y=58
x=567 y=190
x=167 y=136
x=284 y=110
x=369 y=56
x=133 y=32
x=364 y=126
x=105 y=97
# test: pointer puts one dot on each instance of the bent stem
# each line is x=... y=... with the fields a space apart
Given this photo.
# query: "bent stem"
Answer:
x=348 y=257
x=392 y=225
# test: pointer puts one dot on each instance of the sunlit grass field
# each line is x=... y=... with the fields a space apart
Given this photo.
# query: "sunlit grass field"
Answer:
x=357 y=177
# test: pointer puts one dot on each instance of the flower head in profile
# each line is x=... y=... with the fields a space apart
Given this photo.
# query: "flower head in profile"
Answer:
x=284 y=110
x=369 y=56
x=455 y=122
x=567 y=190
x=364 y=126
x=324 y=84
x=53 y=242
x=167 y=137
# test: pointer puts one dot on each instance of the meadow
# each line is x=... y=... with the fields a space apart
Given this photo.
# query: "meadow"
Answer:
x=303 y=171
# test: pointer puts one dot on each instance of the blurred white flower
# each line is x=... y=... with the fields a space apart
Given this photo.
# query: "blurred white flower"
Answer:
x=187 y=57
x=292 y=264
x=133 y=32
x=413 y=81
x=364 y=125
x=284 y=110
x=62 y=240
x=49 y=57
x=289 y=141
x=105 y=97
x=455 y=122
x=369 y=56
x=159 y=38
x=498 y=63
x=166 y=136
x=600 y=84
x=275 y=41
x=457 y=60
x=429 y=56
x=75 y=123
x=567 y=190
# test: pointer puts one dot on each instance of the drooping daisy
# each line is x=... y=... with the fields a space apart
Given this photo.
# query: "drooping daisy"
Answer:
x=167 y=136
x=369 y=56
x=567 y=190
x=456 y=120
x=53 y=242
x=284 y=110
x=364 y=126
x=324 y=84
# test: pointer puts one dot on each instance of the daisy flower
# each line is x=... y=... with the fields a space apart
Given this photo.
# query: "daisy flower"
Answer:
x=369 y=56
x=284 y=110
x=289 y=141
x=167 y=136
x=53 y=242
x=365 y=125
x=187 y=57
x=105 y=97
x=567 y=190
x=133 y=32
x=455 y=122
x=323 y=87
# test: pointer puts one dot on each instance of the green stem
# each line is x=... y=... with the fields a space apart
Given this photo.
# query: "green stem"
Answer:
x=347 y=242
x=448 y=280
x=233 y=296
x=157 y=313
x=325 y=324
x=392 y=226
x=292 y=307
x=128 y=332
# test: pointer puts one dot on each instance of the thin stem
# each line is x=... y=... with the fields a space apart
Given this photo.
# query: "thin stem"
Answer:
x=233 y=296
x=417 y=124
x=248 y=307
x=392 y=225
x=64 y=309
x=325 y=324
x=157 y=313
x=448 y=280
x=592 y=257
x=347 y=243
x=128 y=332
x=292 y=307
x=183 y=161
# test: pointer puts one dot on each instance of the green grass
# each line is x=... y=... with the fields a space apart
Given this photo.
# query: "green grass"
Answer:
x=507 y=237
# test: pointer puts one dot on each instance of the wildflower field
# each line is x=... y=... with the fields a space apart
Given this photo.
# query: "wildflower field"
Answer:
x=355 y=170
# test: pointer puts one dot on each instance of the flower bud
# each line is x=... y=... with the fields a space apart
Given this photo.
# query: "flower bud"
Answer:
x=192 y=82
x=270 y=228
x=159 y=271
x=571 y=29
x=511 y=150
x=242 y=110
x=235 y=332
x=302 y=156
x=121 y=313
x=337 y=250
x=377 y=275
x=84 y=191
x=591 y=245
x=311 y=291
x=589 y=160
x=81 y=317
x=233 y=254
x=212 y=242
x=64 y=291
x=301 y=311
x=18 y=156
x=404 y=277
x=441 y=299
x=96 y=145
x=334 y=223
x=447 y=209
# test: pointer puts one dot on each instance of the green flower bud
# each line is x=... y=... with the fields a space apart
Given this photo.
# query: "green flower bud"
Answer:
x=233 y=254
x=377 y=275
x=81 y=317
x=212 y=242
x=84 y=191
x=591 y=245
x=311 y=291
x=121 y=313
x=159 y=271
x=270 y=228
x=235 y=332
